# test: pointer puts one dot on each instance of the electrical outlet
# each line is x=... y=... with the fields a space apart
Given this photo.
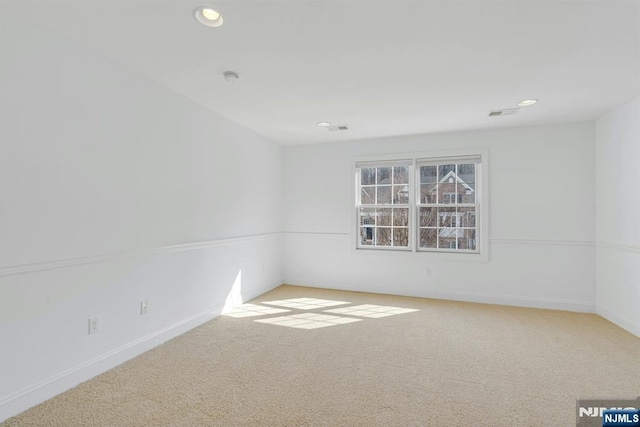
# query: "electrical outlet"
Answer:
x=94 y=325
x=144 y=307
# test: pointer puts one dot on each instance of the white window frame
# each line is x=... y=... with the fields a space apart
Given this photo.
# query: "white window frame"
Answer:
x=482 y=200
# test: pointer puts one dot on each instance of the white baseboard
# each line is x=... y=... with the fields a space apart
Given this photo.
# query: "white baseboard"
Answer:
x=248 y=296
x=24 y=399
x=530 y=302
x=618 y=320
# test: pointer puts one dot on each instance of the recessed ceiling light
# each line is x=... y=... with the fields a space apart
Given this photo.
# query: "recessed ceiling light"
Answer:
x=324 y=124
x=209 y=17
x=527 y=102
x=210 y=14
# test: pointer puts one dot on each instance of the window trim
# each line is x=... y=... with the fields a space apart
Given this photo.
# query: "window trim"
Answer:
x=482 y=199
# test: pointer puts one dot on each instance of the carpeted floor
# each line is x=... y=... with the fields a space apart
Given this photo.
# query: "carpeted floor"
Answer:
x=372 y=360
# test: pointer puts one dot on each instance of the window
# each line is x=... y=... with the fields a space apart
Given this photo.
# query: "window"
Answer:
x=452 y=198
x=383 y=205
x=420 y=204
x=447 y=205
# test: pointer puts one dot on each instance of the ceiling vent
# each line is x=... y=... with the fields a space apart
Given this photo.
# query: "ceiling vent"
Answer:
x=337 y=128
x=505 y=112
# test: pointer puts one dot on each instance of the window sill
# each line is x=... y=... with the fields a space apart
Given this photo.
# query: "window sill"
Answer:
x=442 y=256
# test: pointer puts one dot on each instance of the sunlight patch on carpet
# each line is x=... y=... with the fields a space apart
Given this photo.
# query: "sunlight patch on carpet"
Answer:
x=250 y=310
x=371 y=311
x=305 y=303
x=308 y=321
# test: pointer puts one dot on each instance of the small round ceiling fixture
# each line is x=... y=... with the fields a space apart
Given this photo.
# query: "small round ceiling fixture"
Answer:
x=230 y=76
x=209 y=17
x=527 y=102
x=324 y=124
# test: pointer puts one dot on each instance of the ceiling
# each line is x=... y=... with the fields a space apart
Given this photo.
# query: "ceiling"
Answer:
x=382 y=68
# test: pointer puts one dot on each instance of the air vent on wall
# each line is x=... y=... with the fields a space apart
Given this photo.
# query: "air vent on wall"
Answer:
x=337 y=128
x=505 y=112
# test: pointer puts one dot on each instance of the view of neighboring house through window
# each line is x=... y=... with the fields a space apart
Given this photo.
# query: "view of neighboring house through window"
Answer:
x=447 y=206
x=422 y=204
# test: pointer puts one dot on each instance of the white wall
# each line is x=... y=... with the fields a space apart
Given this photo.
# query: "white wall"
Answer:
x=542 y=218
x=115 y=190
x=618 y=216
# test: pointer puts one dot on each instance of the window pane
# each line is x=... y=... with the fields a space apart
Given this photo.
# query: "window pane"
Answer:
x=367 y=216
x=428 y=238
x=428 y=217
x=467 y=239
x=467 y=217
x=401 y=217
x=401 y=175
x=384 y=217
x=384 y=176
x=368 y=195
x=384 y=195
x=366 y=235
x=428 y=193
x=467 y=183
x=446 y=173
x=467 y=173
x=447 y=217
x=467 y=196
x=447 y=239
x=383 y=236
x=400 y=237
x=367 y=176
x=446 y=183
x=428 y=174
x=401 y=194
x=449 y=198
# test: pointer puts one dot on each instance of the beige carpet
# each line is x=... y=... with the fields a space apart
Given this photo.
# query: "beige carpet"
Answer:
x=446 y=364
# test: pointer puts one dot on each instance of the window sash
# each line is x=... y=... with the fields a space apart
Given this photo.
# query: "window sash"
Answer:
x=392 y=204
x=438 y=227
x=391 y=226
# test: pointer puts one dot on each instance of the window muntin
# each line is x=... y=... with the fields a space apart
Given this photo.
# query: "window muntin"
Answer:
x=422 y=204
